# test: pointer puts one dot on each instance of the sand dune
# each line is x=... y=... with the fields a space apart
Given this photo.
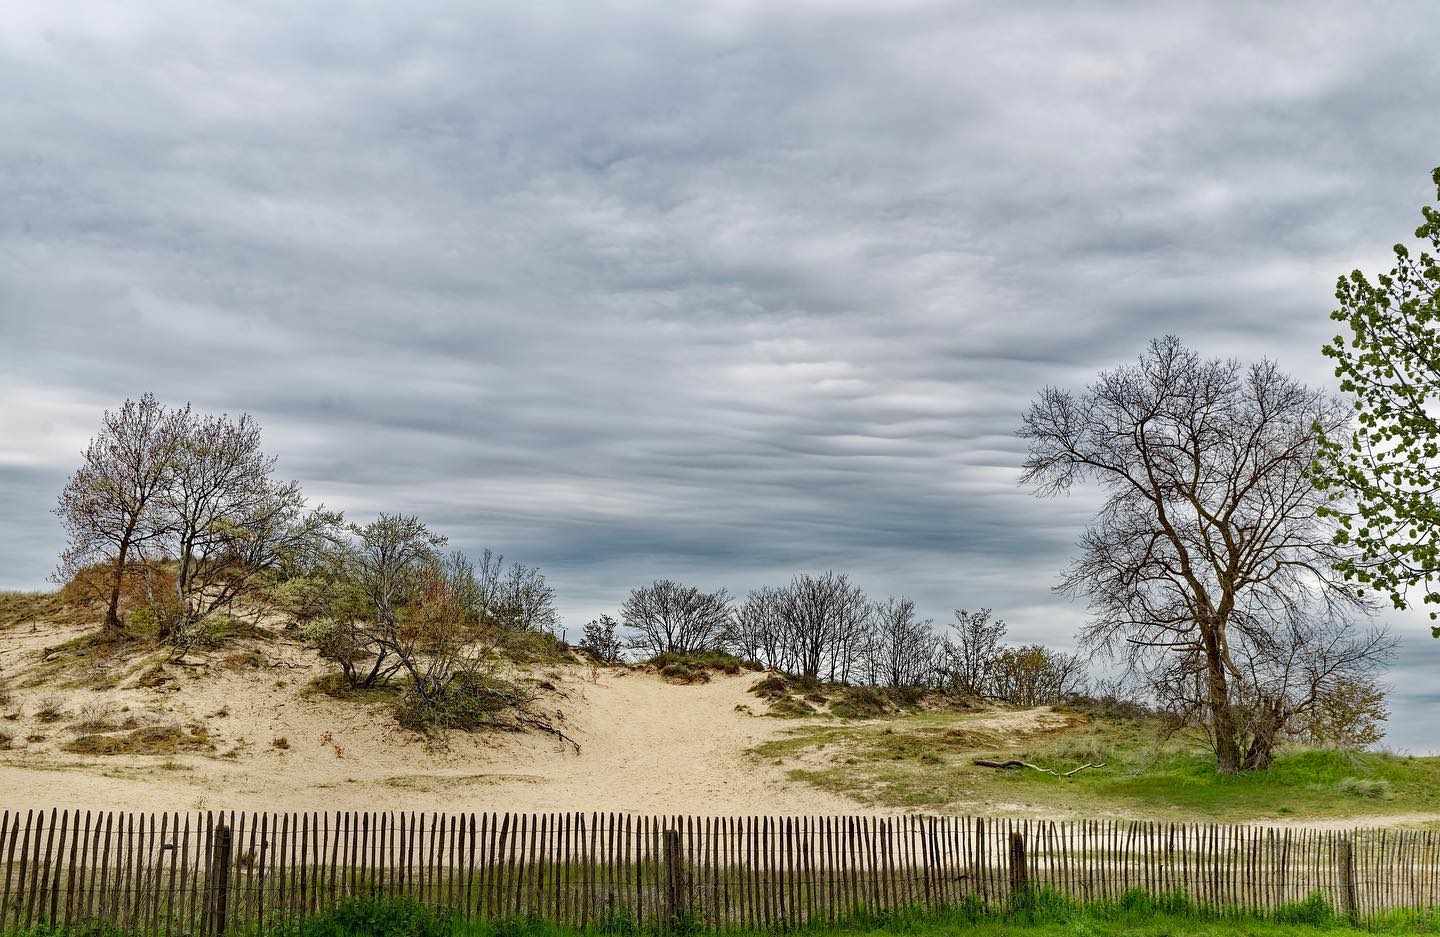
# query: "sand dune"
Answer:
x=646 y=746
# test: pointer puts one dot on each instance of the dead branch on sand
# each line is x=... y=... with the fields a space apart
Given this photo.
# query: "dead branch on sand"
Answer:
x=1017 y=763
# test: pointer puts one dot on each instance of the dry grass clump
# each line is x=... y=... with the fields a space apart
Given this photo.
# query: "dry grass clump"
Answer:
x=97 y=717
x=790 y=708
x=153 y=676
x=51 y=709
x=147 y=740
x=253 y=659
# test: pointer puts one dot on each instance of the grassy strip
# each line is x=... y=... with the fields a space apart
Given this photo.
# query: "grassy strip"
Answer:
x=1039 y=915
x=1043 y=913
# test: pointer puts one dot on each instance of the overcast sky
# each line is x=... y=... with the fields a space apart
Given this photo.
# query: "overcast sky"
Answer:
x=710 y=291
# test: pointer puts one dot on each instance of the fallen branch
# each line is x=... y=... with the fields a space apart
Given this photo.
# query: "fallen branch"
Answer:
x=1017 y=763
x=537 y=723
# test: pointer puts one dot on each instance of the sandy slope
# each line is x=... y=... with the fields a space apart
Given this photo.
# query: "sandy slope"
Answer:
x=646 y=745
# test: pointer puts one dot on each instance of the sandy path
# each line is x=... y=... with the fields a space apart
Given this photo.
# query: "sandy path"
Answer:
x=652 y=746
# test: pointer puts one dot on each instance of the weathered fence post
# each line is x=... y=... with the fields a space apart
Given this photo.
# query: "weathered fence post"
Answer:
x=674 y=865
x=1019 y=875
x=217 y=881
x=1347 y=879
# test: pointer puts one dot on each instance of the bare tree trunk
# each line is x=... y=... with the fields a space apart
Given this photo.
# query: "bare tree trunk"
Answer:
x=1222 y=720
x=112 y=614
x=182 y=581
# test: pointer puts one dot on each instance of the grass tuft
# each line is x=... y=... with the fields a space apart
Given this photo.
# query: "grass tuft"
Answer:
x=1368 y=788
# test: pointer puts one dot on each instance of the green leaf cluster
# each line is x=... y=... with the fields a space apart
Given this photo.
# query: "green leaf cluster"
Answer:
x=1383 y=479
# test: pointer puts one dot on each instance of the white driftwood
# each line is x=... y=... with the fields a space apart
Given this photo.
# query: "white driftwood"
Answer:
x=1017 y=763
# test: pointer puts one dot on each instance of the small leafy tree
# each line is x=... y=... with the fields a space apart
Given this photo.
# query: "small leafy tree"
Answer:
x=1383 y=473
x=390 y=564
x=601 y=640
x=229 y=522
x=111 y=506
x=1034 y=675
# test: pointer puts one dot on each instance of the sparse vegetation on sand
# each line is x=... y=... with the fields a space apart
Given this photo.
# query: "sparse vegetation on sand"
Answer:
x=925 y=760
x=147 y=740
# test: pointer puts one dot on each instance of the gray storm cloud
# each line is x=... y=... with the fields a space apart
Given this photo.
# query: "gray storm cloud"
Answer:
x=720 y=291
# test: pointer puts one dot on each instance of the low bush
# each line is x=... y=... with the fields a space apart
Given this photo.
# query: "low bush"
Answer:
x=213 y=631
x=704 y=661
x=906 y=697
x=679 y=671
x=470 y=701
x=772 y=687
x=376 y=917
x=790 y=708
x=528 y=646
x=335 y=685
x=860 y=702
x=1134 y=914
x=1109 y=707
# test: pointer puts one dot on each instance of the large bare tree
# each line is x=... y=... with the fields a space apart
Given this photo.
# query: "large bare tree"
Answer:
x=1211 y=553
x=111 y=506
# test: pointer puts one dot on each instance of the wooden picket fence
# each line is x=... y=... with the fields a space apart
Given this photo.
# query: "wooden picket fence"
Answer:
x=193 y=874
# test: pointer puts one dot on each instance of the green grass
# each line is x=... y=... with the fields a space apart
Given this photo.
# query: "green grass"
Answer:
x=924 y=761
x=1135 y=915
